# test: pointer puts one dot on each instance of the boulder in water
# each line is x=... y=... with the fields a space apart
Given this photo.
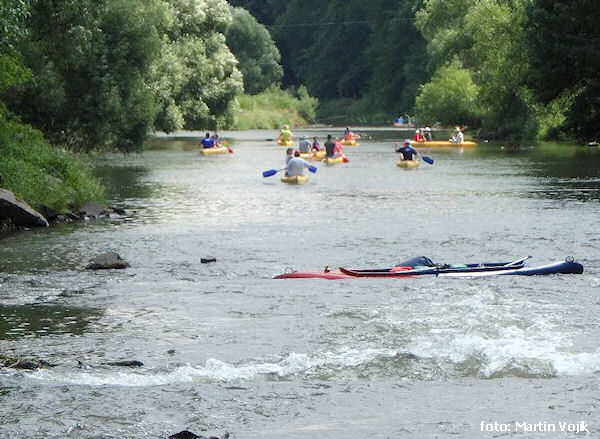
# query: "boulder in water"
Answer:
x=107 y=261
x=18 y=212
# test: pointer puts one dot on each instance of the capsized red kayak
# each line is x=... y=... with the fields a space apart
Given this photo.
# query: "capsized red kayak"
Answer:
x=327 y=274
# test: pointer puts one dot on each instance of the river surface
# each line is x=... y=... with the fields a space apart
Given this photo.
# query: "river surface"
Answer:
x=225 y=348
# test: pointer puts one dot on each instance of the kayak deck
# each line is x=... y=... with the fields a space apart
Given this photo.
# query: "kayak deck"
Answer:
x=214 y=150
x=295 y=179
x=407 y=164
x=443 y=143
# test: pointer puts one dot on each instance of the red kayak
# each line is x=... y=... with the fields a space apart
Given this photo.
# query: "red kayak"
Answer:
x=329 y=274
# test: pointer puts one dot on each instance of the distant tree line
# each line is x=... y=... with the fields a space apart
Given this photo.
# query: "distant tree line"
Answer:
x=518 y=68
x=104 y=73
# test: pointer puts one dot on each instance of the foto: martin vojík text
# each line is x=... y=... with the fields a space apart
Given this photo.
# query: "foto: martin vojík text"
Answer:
x=542 y=427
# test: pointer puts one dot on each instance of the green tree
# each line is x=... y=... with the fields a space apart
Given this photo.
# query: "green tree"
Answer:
x=12 y=29
x=449 y=98
x=258 y=56
x=486 y=38
x=196 y=76
x=89 y=61
x=564 y=52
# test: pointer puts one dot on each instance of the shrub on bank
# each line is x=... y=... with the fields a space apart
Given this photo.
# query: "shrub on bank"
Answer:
x=274 y=108
x=41 y=174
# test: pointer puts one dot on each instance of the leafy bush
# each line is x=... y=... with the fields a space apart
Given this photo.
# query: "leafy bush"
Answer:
x=450 y=98
x=274 y=108
x=41 y=174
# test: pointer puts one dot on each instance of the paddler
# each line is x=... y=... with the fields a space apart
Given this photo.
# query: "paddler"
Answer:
x=207 y=142
x=315 y=145
x=349 y=136
x=285 y=135
x=406 y=151
x=304 y=145
x=458 y=136
x=295 y=166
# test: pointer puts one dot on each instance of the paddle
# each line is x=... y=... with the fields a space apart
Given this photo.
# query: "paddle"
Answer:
x=518 y=261
x=272 y=172
x=427 y=160
x=225 y=143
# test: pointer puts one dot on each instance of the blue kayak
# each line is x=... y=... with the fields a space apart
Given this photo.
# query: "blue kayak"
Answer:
x=516 y=268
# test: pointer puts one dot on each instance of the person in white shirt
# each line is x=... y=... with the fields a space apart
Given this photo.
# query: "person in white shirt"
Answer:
x=296 y=165
x=458 y=136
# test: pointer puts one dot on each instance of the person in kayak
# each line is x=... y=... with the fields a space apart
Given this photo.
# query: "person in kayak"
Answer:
x=458 y=136
x=304 y=145
x=349 y=136
x=289 y=154
x=428 y=137
x=216 y=140
x=295 y=166
x=406 y=151
x=315 y=145
x=285 y=135
x=207 y=142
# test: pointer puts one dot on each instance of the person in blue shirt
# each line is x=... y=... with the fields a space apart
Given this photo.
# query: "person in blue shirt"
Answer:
x=207 y=142
x=406 y=151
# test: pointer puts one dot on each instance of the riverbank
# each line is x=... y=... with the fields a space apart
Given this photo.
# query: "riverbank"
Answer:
x=42 y=175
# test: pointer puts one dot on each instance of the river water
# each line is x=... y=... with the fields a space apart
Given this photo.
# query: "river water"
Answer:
x=225 y=347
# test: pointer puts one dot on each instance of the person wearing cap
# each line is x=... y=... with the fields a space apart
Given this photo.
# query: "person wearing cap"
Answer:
x=458 y=136
x=207 y=142
x=428 y=137
x=406 y=151
x=296 y=165
x=285 y=134
x=304 y=145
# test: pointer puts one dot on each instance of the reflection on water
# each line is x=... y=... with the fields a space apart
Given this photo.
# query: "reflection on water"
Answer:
x=41 y=320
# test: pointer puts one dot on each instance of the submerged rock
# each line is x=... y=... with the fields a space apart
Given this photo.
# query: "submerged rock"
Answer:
x=189 y=435
x=18 y=212
x=184 y=435
x=107 y=261
x=126 y=363
x=93 y=211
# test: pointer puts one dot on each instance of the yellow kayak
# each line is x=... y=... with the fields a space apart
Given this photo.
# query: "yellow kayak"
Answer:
x=296 y=179
x=281 y=142
x=349 y=142
x=333 y=160
x=442 y=143
x=407 y=164
x=214 y=150
x=317 y=155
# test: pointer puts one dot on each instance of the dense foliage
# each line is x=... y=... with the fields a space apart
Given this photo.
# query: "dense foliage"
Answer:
x=41 y=174
x=258 y=56
x=105 y=73
x=564 y=55
x=533 y=63
x=108 y=72
x=274 y=108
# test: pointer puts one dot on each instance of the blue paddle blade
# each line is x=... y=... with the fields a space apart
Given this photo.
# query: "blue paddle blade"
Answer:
x=269 y=172
x=428 y=160
x=312 y=169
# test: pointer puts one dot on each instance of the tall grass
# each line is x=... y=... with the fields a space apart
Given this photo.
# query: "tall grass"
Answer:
x=274 y=108
x=41 y=174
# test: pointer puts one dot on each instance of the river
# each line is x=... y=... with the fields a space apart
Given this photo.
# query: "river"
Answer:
x=225 y=347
